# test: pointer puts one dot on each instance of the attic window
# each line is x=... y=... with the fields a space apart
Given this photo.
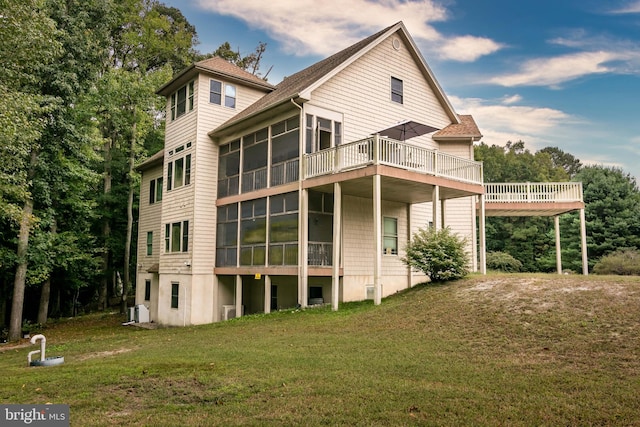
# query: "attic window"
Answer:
x=396 y=90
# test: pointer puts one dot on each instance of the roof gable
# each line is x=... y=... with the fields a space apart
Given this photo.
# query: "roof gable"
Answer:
x=301 y=84
x=467 y=128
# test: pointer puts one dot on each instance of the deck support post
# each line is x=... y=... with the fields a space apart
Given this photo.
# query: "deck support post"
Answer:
x=583 y=239
x=337 y=238
x=556 y=220
x=215 y=313
x=303 y=238
x=267 y=294
x=238 y=299
x=443 y=211
x=377 y=236
x=409 y=236
x=474 y=234
x=483 y=237
x=435 y=198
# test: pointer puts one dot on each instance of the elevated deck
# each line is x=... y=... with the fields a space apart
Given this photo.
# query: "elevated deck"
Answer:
x=532 y=198
x=378 y=150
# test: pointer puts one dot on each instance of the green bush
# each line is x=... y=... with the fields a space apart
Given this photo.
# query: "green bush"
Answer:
x=623 y=262
x=502 y=261
x=437 y=253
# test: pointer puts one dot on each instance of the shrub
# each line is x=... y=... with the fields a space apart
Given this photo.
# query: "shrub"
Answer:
x=503 y=261
x=437 y=253
x=623 y=262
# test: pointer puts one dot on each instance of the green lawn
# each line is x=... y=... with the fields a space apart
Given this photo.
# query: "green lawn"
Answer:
x=496 y=350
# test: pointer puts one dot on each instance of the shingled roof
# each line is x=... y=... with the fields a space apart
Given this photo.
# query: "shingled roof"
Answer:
x=293 y=85
x=467 y=128
x=216 y=66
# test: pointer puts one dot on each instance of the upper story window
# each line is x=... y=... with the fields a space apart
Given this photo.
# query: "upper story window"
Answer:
x=285 y=150
x=179 y=172
x=149 y=243
x=321 y=133
x=229 y=169
x=219 y=91
x=254 y=160
x=155 y=190
x=176 y=237
x=397 y=94
x=182 y=100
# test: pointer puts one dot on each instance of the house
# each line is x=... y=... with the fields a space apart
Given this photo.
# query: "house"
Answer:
x=269 y=197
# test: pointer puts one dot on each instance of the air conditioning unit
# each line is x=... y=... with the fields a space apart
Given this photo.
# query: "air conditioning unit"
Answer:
x=229 y=311
x=141 y=314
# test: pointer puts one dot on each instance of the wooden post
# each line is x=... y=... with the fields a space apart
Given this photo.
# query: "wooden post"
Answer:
x=583 y=238
x=337 y=238
x=558 y=249
x=483 y=237
x=435 y=198
x=238 y=300
x=377 y=236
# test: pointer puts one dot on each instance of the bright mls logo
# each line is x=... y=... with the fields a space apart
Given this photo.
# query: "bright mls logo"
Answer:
x=34 y=415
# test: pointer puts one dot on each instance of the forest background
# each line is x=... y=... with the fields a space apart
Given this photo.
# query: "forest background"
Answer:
x=78 y=112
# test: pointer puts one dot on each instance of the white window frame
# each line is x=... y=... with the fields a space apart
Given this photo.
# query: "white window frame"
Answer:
x=189 y=89
x=228 y=94
x=182 y=245
x=389 y=250
x=395 y=92
x=185 y=177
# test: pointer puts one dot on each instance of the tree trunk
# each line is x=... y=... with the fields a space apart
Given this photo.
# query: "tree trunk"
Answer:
x=15 y=322
x=45 y=294
x=106 y=228
x=126 y=281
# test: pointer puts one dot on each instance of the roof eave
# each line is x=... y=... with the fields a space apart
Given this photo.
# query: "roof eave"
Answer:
x=155 y=160
x=473 y=138
x=228 y=128
x=185 y=75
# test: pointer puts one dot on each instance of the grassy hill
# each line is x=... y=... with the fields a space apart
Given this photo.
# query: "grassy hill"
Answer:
x=493 y=350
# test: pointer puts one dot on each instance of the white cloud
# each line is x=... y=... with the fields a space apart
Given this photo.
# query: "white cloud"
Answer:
x=311 y=27
x=500 y=123
x=513 y=99
x=468 y=48
x=631 y=7
x=560 y=69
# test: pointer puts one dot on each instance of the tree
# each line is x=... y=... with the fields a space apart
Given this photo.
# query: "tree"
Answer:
x=612 y=206
x=28 y=43
x=527 y=239
x=566 y=161
x=155 y=41
x=250 y=62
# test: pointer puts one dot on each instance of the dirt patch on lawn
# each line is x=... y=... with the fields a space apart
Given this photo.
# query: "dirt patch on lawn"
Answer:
x=103 y=354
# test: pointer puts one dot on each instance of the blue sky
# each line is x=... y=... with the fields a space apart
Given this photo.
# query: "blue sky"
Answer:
x=562 y=73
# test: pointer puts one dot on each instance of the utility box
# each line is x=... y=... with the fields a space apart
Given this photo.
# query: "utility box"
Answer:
x=141 y=314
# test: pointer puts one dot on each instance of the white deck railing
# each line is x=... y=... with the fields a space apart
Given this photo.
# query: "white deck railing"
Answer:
x=386 y=151
x=533 y=192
